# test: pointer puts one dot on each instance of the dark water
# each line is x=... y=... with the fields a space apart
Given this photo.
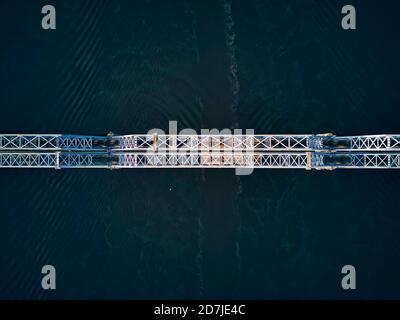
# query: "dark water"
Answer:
x=129 y=66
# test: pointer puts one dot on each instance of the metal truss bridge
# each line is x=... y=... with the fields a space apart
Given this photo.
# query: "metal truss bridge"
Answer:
x=199 y=151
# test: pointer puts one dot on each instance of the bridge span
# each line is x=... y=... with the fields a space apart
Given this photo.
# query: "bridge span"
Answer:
x=199 y=151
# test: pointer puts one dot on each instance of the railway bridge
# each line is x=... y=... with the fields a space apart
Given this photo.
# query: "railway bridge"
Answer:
x=321 y=152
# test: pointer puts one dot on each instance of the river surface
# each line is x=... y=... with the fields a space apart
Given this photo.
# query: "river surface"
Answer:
x=130 y=66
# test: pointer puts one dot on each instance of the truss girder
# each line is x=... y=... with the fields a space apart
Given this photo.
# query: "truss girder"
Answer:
x=29 y=142
x=305 y=160
x=199 y=151
x=197 y=142
x=76 y=160
x=75 y=143
x=28 y=160
x=376 y=160
x=253 y=142
x=216 y=160
x=375 y=143
x=216 y=142
x=41 y=142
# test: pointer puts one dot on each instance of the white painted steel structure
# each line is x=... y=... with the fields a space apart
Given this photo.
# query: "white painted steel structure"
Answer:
x=199 y=151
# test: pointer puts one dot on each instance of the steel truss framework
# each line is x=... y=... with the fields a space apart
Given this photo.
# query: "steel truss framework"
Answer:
x=215 y=160
x=305 y=160
x=199 y=151
x=385 y=160
x=217 y=142
x=28 y=160
x=254 y=142
x=196 y=142
x=31 y=142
